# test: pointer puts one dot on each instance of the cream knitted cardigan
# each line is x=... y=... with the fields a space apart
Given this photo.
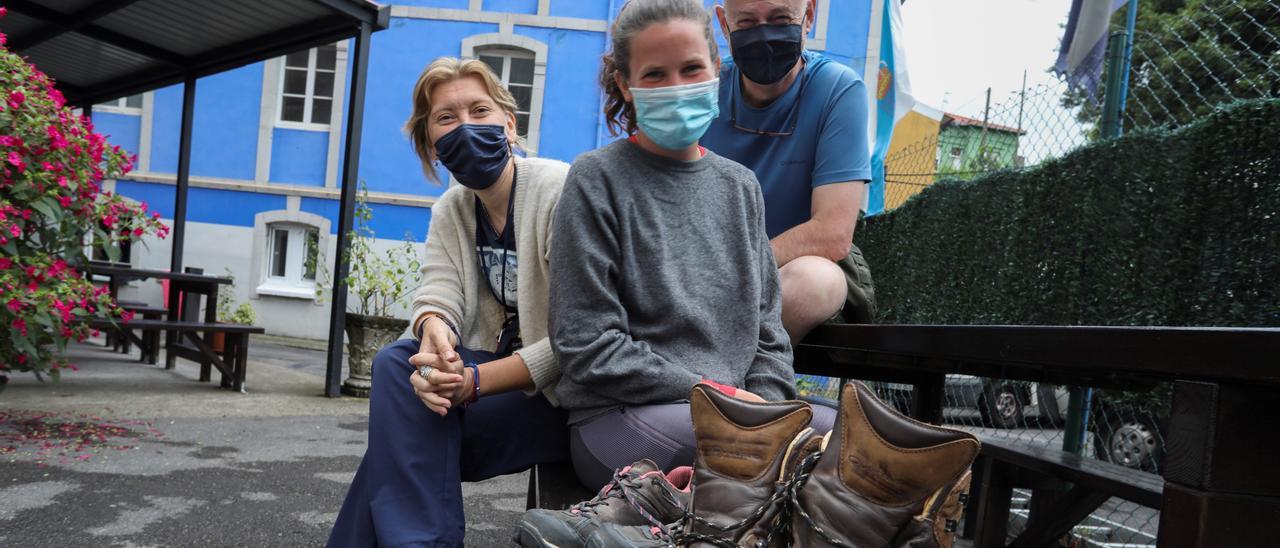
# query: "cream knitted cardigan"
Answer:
x=453 y=283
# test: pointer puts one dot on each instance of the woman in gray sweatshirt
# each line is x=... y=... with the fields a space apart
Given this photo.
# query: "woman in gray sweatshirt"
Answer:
x=662 y=274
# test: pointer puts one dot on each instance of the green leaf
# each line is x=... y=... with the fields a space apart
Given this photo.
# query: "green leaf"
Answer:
x=43 y=208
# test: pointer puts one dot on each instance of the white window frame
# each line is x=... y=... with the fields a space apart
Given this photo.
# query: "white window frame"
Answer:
x=119 y=105
x=308 y=97
x=957 y=157
x=495 y=42
x=292 y=284
x=507 y=54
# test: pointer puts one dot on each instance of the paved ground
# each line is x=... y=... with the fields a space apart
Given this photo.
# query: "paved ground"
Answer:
x=126 y=454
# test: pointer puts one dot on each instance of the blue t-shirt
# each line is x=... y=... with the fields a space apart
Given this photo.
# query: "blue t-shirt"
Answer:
x=829 y=144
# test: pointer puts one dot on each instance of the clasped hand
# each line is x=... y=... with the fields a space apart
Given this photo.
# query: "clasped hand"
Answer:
x=447 y=384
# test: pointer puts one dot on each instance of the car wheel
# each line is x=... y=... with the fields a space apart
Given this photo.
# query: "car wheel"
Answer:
x=1001 y=406
x=1132 y=442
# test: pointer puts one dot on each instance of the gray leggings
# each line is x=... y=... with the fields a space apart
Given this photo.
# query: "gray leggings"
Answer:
x=661 y=433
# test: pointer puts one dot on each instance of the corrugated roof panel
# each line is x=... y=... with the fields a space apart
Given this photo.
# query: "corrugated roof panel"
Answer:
x=16 y=25
x=193 y=28
x=239 y=32
x=67 y=6
x=81 y=61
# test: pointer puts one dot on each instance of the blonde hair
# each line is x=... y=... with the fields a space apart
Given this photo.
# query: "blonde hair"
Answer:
x=441 y=71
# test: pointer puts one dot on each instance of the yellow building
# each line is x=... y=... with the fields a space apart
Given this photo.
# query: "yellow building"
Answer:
x=912 y=159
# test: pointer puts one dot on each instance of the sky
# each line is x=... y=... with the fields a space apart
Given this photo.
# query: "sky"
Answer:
x=957 y=48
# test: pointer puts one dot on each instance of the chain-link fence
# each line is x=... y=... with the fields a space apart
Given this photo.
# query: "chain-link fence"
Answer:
x=1188 y=57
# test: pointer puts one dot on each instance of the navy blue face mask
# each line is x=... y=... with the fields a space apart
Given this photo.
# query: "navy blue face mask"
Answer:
x=766 y=53
x=475 y=154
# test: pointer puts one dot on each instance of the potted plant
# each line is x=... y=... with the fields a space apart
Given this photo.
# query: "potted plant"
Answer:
x=243 y=314
x=376 y=282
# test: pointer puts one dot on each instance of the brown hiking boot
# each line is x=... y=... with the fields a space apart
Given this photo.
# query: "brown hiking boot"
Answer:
x=739 y=476
x=882 y=479
x=639 y=494
x=746 y=455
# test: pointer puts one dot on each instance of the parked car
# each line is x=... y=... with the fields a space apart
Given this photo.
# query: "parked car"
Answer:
x=1003 y=403
x=1129 y=427
x=999 y=403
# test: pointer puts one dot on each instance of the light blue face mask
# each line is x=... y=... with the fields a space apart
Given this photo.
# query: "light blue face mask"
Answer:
x=675 y=117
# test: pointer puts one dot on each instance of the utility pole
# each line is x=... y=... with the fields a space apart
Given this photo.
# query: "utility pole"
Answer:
x=1022 y=103
x=982 y=143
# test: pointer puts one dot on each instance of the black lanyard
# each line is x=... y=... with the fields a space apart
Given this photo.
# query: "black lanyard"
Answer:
x=500 y=295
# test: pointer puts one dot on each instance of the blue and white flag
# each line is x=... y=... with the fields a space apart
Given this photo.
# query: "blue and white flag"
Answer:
x=893 y=98
x=1085 y=43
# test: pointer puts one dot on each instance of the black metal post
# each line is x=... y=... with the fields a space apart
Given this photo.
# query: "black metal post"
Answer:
x=346 y=211
x=184 y=174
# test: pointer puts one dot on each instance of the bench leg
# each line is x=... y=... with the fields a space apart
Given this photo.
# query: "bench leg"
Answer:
x=993 y=505
x=554 y=486
x=241 y=361
x=170 y=359
x=926 y=399
x=1222 y=484
x=1046 y=527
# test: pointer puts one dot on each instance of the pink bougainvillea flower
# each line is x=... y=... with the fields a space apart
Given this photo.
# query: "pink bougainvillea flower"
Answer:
x=56 y=96
x=126 y=315
x=4 y=11
x=10 y=141
x=15 y=305
x=5 y=263
x=56 y=140
x=21 y=326
x=64 y=201
x=16 y=159
x=16 y=98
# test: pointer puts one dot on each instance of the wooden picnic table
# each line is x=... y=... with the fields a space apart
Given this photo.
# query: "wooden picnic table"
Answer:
x=182 y=326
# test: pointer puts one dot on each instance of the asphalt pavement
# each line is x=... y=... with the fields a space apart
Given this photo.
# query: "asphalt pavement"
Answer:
x=127 y=454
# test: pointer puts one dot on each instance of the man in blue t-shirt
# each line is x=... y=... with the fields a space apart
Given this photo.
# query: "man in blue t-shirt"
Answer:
x=799 y=121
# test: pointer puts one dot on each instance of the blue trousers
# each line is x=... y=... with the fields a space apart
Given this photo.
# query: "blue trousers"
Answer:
x=408 y=489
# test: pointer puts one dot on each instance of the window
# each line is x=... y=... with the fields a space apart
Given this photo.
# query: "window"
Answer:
x=515 y=68
x=126 y=253
x=292 y=254
x=956 y=154
x=306 y=96
x=123 y=105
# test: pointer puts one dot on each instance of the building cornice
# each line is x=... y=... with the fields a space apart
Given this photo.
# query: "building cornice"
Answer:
x=279 y=189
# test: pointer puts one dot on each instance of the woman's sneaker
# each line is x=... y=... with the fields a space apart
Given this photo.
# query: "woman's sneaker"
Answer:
x=640 y=494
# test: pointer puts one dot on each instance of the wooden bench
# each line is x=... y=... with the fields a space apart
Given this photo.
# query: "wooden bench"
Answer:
x=1219 y=485
x=1065 y=489
x=152 y=337
x=188 y=344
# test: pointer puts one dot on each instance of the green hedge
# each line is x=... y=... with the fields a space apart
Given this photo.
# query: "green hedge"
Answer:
x=1156 y=228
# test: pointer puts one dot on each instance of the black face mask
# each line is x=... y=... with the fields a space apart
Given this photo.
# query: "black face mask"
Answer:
x=475 y=154
x=765 y=53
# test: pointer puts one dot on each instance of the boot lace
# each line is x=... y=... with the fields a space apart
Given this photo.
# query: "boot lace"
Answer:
x=801 y=477
x=623 y=485
x=675 y=535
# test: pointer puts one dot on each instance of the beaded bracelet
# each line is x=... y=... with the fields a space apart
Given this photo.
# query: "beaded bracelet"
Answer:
x=475 y=378
x=422 y=327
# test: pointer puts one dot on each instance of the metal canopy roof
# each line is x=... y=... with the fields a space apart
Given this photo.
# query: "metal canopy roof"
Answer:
x=103 y=49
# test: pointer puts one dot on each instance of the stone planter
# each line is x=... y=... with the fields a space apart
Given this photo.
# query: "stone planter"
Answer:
x=366 y=335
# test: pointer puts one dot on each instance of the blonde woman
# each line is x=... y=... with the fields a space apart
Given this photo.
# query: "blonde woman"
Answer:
x=471 y=396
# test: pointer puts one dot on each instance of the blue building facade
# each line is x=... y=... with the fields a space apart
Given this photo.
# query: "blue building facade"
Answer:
x=266 y=149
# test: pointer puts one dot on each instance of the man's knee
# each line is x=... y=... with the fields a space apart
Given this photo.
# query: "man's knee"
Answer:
x=813 y=283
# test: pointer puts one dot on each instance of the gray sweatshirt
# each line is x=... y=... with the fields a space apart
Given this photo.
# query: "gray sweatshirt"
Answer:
x=661 y=276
